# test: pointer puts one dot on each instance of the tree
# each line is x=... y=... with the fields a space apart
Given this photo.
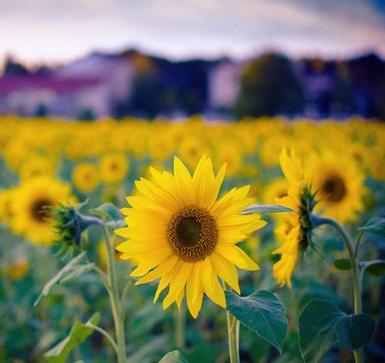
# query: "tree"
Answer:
x=12 y=68
x=269 y=86
x=146 y=94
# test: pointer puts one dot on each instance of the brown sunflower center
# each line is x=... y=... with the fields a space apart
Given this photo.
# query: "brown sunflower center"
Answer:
x=192 y=233
x=333 y=189
x=40 y=210
x=113 y=166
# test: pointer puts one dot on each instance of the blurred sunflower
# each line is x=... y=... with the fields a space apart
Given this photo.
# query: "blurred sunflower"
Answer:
x=113 y=168
x=37 y=166
x=6 y=205
x=274 y=190
x=190 y=149
x=339 y=184
x=375 y=162
x=179 y=232
x=32 y=203
x=18 y=268
x=85 y=177
x=229 y=152
x=294 y=231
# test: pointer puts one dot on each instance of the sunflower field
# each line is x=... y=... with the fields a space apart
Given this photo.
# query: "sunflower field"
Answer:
x=193 y=241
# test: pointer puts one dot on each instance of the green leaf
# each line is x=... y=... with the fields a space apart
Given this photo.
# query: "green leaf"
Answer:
x=261 y=312
x=72 y=269
x=266 y=208
x=173 y=357
x=108 y=212
x=323 y=324
x=343 y=264
x=78 y=334
x=375 y=267
x=148 y=350
x=375 y=226
x=356 y=330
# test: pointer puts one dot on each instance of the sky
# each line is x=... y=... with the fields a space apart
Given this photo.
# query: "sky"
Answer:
x=59 y=30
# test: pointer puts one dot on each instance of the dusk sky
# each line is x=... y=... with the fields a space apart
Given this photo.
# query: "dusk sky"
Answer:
x=55 y=30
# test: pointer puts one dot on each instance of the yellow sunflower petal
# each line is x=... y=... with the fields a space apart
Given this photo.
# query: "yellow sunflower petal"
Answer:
x=194 y=291
x=236 y=256
x=177 y=284
x=211 y=285
x=226 y=271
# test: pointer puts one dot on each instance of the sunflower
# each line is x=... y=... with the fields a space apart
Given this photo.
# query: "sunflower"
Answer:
x=113 y=168
x=294 y=231
x=37 y=166
x=275 y=189
x=32 y=203
x=190 y=149
x=179 y=232
x=85 y=177
x=7 y=206
x=18 y=269
x=339 y=184
x=229 y=152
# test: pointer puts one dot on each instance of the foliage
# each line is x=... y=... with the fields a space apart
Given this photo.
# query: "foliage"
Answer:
x=322 y=325
x=261 y=312
x=79 y=332
x=270 y=86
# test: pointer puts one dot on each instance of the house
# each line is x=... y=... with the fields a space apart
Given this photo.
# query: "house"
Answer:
x=114 y=71
x=223 y=85
x=91 y=87
x=48 y=94
x=319 y=81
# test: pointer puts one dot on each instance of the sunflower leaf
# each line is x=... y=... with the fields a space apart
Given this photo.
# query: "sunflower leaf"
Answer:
x=375 y=226
x=261 y=312
x=75 y=267
x=174 y=356
x=108 y=212
x=78 y=334
x=374 y=267
x=322 y=325
x=342 y=264
x=266 y=208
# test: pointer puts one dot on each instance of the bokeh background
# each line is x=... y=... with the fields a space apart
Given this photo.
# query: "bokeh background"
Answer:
x=95 y=59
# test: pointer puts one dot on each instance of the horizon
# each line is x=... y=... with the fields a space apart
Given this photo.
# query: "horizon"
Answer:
x=55 y=31
x=53 y=64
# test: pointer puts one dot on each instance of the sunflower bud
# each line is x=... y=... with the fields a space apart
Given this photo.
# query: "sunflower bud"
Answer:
x=67 y=225
x=307 y=203
x=70 y=224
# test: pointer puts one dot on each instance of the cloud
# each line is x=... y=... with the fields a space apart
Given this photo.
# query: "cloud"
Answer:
x=54 y=29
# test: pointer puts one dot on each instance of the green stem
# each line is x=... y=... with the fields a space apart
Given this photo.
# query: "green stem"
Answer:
x=104 y=278
x=114 y=299
x=233 y=337
x=357 y=244
x=180 y=319
x=353 y=254
x=123 y=298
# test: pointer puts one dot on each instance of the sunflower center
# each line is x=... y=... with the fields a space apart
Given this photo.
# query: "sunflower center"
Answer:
x=113 y=166
x=40 y=210
x=334 y=189
x=192 y=233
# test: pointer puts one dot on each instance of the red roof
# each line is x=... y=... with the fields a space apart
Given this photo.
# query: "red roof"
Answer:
x=10 y=84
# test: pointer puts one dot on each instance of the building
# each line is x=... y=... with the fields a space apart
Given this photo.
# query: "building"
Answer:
x=223 y=84
x=91 y=87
